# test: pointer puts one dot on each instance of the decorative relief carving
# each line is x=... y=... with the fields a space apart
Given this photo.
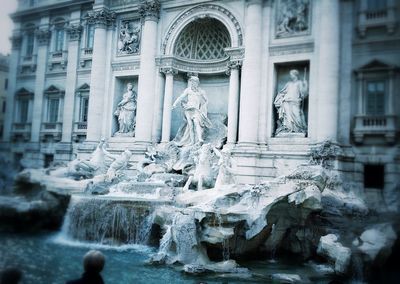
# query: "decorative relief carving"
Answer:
x=204 y=9
x=293 y=18
x=43 y=36
x=168 y=70
x=129 y=37
x=74 y=31
x=150 y=10
x=101 y=18
x=194 y=66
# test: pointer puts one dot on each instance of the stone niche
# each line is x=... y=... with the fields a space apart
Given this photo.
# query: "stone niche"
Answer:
x=119 y=90
x=284 y=127
x=216 y=87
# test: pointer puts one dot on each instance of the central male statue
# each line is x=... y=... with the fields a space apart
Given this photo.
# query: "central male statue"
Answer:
x=194 y=104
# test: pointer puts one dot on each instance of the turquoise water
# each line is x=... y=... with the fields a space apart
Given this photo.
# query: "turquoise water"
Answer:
x=47 y=258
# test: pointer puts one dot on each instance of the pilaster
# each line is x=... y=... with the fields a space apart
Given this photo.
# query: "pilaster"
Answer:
x=103 y=19
x=16 y=40
x=149 y=10
x=74 y=32
x=43 y=39
x=328 y=76
x=251 y=75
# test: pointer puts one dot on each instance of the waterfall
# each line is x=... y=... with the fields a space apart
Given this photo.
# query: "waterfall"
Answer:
x=106 y=221
x=166 y=241
x=225 y=241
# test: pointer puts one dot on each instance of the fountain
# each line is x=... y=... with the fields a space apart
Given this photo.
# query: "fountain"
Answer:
x=184 y=200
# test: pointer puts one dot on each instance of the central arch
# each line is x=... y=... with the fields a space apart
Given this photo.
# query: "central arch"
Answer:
x=212 y=11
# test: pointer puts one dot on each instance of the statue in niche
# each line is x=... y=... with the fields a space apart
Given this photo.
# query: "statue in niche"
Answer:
x=129 y=38
x=289 y=104
x=293 y=17
x=126 y=113
x=194 y=103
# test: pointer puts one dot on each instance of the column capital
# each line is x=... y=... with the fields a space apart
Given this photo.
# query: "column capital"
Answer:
x=16 y=41
x=233 y=65
x=169 y=70
x=43 y=36
x=74 y=31
x=102 y=18
x=149 y=10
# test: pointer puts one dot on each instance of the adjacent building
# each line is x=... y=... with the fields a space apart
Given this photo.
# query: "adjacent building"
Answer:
x=71 y=62
x=3 y=89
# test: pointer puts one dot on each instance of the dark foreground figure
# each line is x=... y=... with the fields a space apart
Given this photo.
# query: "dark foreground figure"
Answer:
x=93 y=263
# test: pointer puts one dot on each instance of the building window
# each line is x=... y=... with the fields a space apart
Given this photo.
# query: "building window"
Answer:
x=59 y=40
x=84 y=109
x=6 y=84
x=53 y=107
x=4 y=107
x=29 y=44
x=89 y=36
x=375 y=98
x=23 y=108
x=374 y=176
x=376 y=5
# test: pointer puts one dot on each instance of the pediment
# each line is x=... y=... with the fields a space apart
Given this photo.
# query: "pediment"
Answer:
x=376 y=65
x=23 y=92
x=84 y=88
x=52 y=89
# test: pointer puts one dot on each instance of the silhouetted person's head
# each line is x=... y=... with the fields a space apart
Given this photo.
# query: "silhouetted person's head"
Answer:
x=11 y=276
x=93 y=261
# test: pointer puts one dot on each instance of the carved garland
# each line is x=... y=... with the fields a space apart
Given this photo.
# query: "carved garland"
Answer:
x=204 y=9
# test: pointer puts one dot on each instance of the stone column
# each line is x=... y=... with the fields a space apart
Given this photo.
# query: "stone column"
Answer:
x=102 y=18
x=251 y=74
x=328 y=78
x=74 y=32
x=168 y=94
x=149 y=10
x=233 y=102
x=43 y=38
x=12 y=75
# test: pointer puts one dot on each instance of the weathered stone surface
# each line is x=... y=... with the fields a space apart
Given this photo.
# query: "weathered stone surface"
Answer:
x=330 y=247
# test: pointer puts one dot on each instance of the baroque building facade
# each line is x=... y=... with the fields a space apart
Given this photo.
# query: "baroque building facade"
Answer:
x=283 y=75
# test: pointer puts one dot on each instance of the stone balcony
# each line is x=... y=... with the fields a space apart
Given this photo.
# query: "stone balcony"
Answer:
x=58 y=60
x=79 y=131
x=51 y=130
x=380 y=18
x=85 y=57
x=368 y=125
x=21 y=131
x=27 y=64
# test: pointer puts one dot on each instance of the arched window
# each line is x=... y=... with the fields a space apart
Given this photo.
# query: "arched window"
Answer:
x=203 y=39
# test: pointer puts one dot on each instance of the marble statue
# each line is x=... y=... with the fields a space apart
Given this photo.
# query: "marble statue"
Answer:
x=292 y=17
x=119 y=164
x=288 y=103
x=129 y=38
x=126 y=113
x=194 y=103
x=203 y=172
x=226 y=174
